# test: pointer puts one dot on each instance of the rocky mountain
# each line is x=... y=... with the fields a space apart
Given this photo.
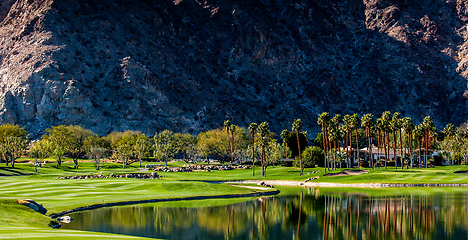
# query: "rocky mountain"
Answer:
x=187 y=65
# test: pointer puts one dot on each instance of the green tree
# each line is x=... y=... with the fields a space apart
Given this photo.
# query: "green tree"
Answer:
x=311 y=156
x=40 y=150
x=165 y=146
x=297 y=126
x=183 y=141
x=125 y=149
x=15 y=146
x=142 y=147
x=11 y=137
x=75 y=145
x=59 y=136
x=96 y=153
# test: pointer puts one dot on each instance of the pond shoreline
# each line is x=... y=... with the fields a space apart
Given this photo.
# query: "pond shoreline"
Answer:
x=328 y=184
x=226 y=196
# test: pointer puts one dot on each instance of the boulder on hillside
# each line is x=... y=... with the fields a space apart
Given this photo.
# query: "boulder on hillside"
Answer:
x=33 y=205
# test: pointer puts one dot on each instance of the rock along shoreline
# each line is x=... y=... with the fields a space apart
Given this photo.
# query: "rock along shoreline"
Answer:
x=226 y=196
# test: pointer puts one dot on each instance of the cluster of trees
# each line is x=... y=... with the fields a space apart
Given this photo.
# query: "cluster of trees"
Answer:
x=229 y=143
x=336 y=146
x=341 y=137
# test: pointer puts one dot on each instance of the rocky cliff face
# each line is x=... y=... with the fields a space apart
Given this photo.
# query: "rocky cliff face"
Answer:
x=188 y=65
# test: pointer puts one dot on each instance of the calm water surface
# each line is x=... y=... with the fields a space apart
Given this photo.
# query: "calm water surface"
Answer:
x=298 y=213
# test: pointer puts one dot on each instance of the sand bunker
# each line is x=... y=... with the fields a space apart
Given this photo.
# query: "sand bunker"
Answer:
x=346 y=173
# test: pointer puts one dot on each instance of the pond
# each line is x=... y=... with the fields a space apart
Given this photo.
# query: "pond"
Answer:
x=297 y=213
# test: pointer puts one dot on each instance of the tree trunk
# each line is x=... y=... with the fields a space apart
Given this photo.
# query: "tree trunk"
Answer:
x=386 y=148
x=350 y=150
x=299 y=148
x=411 y=148
x=394 y=149
x=401 y=150
x=378 y=148
x=12 y=162
x=426 y=138
x=419 y=142
x=324 y=149
x=253 y=156
x=263 y=160
x=357 y=148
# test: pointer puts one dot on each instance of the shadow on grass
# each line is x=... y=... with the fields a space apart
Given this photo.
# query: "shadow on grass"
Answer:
x=8 y=171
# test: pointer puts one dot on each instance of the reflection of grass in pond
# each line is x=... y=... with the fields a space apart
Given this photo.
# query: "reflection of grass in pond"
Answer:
x=198 y=203
x=380 y=192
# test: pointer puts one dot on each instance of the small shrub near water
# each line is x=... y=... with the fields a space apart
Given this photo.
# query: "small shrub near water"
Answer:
x=310 y=156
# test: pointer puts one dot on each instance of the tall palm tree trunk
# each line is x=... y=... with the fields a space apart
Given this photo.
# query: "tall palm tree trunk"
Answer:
x=426 y=140
x=357 y=148
x=350 y=165
x=394 y=149
x=401 y=150
x=324 y=148
x=411 y=148
x=378 y=148
x=253 y=156
x=299 y=148
x=419 y=142
x=387 y=148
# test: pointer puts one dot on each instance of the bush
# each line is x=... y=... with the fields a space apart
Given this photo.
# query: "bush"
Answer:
x=310 y=156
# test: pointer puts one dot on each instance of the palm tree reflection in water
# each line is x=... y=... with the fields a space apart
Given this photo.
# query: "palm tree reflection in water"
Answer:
x=305 y=214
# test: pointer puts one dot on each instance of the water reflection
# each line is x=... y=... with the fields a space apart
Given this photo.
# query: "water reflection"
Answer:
x=305 y=214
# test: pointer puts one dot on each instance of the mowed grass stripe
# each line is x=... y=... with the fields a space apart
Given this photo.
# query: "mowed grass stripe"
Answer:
x=23 y=233
x=59 y=195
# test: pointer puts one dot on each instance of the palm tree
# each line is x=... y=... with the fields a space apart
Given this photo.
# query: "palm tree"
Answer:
x=379 y=127
x=252 y=129
x=395 y=125
x=297 y=126
x=324 y=120
x=386 y=130
x=408 y=126
x=449 y=131
x=335 y=125
x=285 y=135
x=347 y=128
x=228 y=126
x=355 y=125
x=418 y=135
x=367 y=121
x=429 y=128
x=263 y=129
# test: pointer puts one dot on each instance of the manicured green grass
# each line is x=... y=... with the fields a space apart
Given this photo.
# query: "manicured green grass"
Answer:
x=58 y=195
x=40 y=233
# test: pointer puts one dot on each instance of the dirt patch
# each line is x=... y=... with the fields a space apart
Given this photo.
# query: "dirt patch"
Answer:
x=346 y=173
